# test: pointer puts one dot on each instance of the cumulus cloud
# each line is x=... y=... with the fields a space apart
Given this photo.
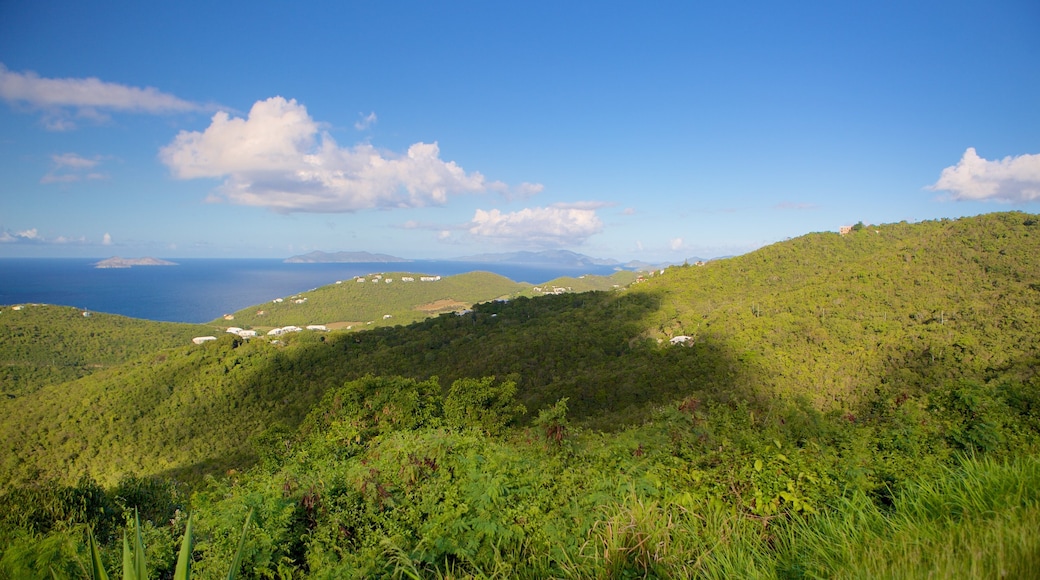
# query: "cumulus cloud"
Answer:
x=88 y=98
x=675 y=244
x=280 y=158
x=106 y=240
x=69 y=167
x=1011 y=179
x=558 y=225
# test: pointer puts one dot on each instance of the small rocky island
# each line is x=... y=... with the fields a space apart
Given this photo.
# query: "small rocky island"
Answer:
x=117 y=262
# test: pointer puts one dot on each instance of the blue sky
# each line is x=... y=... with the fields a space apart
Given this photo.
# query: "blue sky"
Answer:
x=634 y=131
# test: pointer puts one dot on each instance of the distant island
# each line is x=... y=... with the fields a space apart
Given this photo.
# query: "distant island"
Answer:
x=117 y=262
x=319 y=257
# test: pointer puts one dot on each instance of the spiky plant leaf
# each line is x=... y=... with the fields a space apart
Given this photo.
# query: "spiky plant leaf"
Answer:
x=97 y=570
x=241 y=545
x=139 y=567
x=183 y=569
x=128 y=559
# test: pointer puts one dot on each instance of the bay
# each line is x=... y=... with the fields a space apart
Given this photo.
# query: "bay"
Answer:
x=201 y=290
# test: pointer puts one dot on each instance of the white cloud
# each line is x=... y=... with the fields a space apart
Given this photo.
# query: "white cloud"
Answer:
x=1011 y=179
x=366 y=121
x=85 y=98
x=32 y=236
x=675 y=244
x=29 y=236
x=278 y=157
x=106 y=240
x=69 y=167
x=540 y=227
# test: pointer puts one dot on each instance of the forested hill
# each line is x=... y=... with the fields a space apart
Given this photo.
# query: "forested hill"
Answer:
x=44 y=344
x=886 y=312
x=896 y=306
x=394 y=298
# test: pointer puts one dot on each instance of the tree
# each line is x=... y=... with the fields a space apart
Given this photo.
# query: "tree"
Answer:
x=482 y=404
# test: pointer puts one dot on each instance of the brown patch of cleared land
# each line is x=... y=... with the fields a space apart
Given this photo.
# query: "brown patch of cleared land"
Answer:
x=442 y=305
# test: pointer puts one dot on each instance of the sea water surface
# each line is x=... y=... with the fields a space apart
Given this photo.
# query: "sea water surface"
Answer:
x=200 y=290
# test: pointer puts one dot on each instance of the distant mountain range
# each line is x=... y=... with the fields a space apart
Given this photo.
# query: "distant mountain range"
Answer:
x=563 y=258
x=319 y=257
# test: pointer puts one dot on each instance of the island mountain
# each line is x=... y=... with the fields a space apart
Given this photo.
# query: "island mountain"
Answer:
x=117 y=262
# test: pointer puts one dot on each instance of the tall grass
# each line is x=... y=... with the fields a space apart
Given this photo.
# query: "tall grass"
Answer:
x=980 y=521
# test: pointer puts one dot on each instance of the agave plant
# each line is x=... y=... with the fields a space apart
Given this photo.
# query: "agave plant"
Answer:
x=134 y=566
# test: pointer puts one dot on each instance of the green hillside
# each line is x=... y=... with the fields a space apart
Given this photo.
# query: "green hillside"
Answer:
x=42 y=345
x=828 y=400
x=893 y=307
x=396 y=298
x=890 y=309
x=389 y=298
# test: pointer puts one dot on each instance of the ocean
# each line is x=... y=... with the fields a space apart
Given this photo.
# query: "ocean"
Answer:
x=199 y=290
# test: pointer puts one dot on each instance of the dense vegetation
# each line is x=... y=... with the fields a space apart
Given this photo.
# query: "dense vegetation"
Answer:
x=864 y=406
x=43 y=344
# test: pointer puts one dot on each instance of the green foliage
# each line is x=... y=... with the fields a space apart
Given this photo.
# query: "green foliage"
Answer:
x=482 y=404
x=552 y=421
x=863 y=405
x=42 y=345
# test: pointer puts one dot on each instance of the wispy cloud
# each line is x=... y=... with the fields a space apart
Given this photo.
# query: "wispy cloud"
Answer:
x=549 y=227
x=365 y=121
x=63 y=99
x=1011 y=179
x=70 y=167
x=32 y=236
x=792 y=206
x=280 y=158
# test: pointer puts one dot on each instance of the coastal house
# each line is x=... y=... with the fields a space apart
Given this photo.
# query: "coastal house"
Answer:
x=316 y=327
x=681 y=339
x=202 y=339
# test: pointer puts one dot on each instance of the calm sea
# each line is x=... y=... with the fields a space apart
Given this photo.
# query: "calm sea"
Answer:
x=202 y=290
